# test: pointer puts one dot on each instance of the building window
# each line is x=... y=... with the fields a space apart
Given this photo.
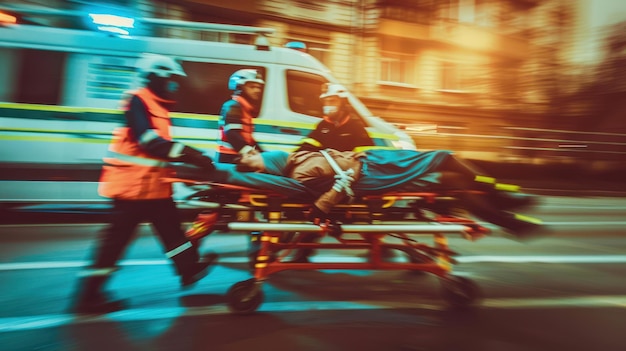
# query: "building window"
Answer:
x=467 y=11
x=449 y=9
x=420 y=11
x=320 y=51
x=317 y=44
x=450 y=76
x=310 y=4
x=396 y=68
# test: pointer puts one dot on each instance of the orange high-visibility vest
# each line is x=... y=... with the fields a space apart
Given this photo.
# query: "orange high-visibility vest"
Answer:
x=131 y=174
x=246 y=127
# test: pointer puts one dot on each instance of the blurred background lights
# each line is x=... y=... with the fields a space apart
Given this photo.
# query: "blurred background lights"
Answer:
x=6 y=18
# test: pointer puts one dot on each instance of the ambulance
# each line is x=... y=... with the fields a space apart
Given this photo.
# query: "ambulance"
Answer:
x=60 y=91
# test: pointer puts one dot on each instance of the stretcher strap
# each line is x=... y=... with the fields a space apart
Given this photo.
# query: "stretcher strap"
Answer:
x=338 y=170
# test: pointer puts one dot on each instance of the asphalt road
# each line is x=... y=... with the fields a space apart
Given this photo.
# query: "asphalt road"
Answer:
x=562 y=292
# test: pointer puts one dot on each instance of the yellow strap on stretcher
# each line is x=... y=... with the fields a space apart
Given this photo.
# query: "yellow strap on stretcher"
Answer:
x=256 y=200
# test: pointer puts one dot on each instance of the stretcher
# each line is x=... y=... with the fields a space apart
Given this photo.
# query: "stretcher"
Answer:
x=367 y=223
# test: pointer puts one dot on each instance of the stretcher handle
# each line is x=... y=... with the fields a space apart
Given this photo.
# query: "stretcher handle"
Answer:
x=255 y=201
x=353 y=228
x=215 y=184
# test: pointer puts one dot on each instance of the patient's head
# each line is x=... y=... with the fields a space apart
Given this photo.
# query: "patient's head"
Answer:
x=251 y=162
x=272 y=162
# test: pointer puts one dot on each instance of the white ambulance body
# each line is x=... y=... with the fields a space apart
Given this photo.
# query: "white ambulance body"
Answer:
x=60 y=91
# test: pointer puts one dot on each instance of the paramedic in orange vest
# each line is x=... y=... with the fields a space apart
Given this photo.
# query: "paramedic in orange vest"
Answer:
x=135 y=176
x=236 y=126
x=236 y=116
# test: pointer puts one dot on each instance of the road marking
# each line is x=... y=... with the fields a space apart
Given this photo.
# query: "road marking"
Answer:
x=29 y=323
x=544 y=259
x=12 y=266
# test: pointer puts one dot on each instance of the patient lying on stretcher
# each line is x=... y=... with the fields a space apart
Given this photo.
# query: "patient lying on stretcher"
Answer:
x=333 y=175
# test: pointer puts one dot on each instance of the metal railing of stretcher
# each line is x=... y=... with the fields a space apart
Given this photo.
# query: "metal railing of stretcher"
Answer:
x=361 y=225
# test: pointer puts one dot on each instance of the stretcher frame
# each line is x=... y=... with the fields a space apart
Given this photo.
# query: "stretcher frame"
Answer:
x=281 y=232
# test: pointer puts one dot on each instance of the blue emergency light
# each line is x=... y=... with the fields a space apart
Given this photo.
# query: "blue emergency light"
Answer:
x=114 y=24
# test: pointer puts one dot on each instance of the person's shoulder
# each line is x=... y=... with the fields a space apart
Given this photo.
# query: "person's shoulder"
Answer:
x=324 y=124
x=353 y=124
x=355 y=120
x=231 y=103
x=231 y=107
x=132 y=101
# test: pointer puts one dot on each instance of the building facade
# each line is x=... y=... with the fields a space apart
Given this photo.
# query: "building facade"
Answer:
x=454 y=73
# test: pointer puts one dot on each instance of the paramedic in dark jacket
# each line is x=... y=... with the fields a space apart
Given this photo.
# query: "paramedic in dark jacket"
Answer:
x=340 y=130
x=135 y=176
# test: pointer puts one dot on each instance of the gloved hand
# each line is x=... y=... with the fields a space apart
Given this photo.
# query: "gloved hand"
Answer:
x=197 y=158
x=316 y=215
x=343 y=181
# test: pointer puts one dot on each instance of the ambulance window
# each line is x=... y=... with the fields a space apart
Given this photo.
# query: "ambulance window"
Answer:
x=39 y=77
x=303 y=92
x=205 y=89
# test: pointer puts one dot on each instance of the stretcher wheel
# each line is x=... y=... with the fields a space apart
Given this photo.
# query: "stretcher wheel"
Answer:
x=459 y=292
x=416 y=257
x=244 y=297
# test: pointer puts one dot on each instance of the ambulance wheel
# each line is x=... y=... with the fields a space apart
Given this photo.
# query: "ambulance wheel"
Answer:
x=244 y=297
x=459 y=292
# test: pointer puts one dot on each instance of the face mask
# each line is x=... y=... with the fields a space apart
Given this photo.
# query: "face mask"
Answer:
x=329 y=110
x=172 y=86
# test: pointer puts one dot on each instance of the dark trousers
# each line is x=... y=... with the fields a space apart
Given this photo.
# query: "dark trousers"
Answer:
x=126 y=216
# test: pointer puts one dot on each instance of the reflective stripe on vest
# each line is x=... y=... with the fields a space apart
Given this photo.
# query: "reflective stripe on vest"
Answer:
x=246 y=127
x=311 y=141
x=137 y=160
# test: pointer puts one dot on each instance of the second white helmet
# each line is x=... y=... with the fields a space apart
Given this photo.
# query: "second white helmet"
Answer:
x=161 y=66
x=244 y=76
x=333 y=89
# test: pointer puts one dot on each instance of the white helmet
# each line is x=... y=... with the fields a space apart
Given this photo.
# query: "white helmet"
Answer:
x=333 y=89
x=161 y=66
x=244 y=76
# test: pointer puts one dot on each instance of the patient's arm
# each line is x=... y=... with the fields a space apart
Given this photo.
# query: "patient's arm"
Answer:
x=328 y=200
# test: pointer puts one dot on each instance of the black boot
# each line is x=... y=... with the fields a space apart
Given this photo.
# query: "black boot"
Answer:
x=506 y=197
x=512 y=201
x=521 y=226
x=91 y=299
x=196 y=271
